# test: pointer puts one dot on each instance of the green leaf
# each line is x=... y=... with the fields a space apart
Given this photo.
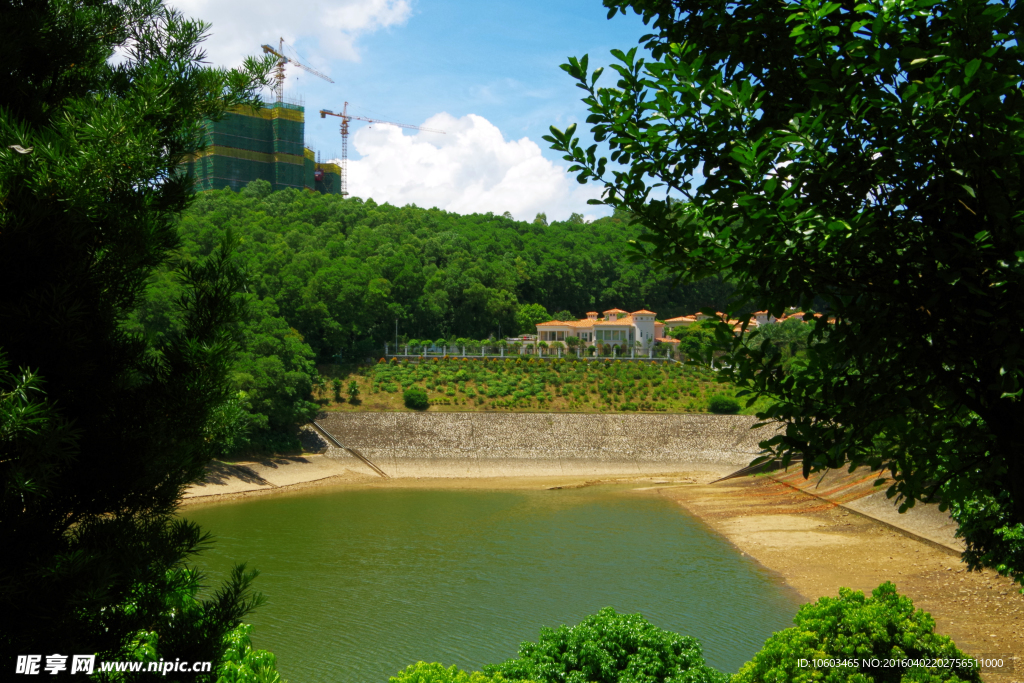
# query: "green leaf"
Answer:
x=971 y=69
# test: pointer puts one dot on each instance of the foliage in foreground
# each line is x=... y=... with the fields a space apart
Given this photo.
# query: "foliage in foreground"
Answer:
x=608 y=647
x=435 y=672
x=101 y=431
x=855 y=627
x=869 y=154
x=243 y=663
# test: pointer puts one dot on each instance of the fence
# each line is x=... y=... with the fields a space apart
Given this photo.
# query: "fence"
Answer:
x=461 y=352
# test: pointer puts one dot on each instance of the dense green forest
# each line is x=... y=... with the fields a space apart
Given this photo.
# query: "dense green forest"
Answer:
x=329 y=277
x=342 y=271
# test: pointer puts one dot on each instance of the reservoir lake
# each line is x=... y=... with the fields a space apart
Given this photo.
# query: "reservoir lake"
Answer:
x=363 y=582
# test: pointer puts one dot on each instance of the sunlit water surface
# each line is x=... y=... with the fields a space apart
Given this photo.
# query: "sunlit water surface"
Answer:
x=361 y=583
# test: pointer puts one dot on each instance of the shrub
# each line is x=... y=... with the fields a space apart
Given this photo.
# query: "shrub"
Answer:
x=415 y=398
x=434 y=672
x=723 y=405
x=243 y=663
x=852 y=626
x=608 y=647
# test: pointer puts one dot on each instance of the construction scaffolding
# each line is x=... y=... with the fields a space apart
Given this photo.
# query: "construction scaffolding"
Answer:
x=250 y=144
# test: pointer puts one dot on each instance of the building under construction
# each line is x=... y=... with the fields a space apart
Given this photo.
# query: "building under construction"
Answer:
x=267 y=144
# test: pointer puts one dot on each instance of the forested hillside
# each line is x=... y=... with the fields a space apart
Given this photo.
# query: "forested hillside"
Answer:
x=330 y=276
x=342 y=271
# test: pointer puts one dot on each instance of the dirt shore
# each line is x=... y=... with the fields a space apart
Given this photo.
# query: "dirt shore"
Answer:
x=818 y=546
x=815 y=545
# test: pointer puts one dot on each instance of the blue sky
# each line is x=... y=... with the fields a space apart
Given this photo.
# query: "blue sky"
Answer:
x=485 y=72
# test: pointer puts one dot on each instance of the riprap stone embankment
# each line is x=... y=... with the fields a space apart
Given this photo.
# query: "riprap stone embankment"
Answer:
x=530 y=444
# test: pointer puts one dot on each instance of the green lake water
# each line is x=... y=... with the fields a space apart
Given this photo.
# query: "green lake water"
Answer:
x=361 y=583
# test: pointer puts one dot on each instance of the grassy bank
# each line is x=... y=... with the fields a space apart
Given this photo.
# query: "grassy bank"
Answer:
x=525 y=385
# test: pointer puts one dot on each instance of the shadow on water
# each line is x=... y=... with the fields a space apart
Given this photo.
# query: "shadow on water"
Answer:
x=362 y=583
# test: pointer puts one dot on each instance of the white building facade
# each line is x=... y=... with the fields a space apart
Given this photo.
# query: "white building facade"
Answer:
x=636 y=330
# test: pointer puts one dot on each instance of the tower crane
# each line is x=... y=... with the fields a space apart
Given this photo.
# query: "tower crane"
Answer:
x=279 y=69
x=345 y=118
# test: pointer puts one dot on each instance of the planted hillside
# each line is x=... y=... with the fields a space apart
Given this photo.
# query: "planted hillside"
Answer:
x=560 y=385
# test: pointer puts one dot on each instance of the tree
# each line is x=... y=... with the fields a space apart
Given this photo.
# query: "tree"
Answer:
x=527 y=317
x=608 y=647
x=573 y=342
x=353 y=392
x=859 y=629
x=103 y=429
x=865 y=154
x=697 y=340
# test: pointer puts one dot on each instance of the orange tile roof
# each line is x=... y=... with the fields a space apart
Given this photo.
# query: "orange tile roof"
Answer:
x=666 y=340
x=615 y=310
x=681 y=318
x=567 y=323
x=643 y=311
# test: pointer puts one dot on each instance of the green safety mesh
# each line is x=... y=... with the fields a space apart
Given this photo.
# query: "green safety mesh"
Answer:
x=308 y=168
x=267 y=144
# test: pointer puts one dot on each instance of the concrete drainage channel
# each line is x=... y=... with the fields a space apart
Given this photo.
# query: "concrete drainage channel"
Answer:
x=331 y=439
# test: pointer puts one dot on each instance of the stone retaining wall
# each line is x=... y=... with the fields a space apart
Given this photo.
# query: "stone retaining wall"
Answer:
x=518 y=444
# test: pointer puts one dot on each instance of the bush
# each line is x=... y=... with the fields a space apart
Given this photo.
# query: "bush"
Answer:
x=852 y=626
x=608 y=647
x=243 y=663
x=723 y=405
x=434 y=672
x=415 y=398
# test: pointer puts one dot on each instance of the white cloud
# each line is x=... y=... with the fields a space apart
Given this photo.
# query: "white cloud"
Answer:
x=239 y=28
x=471 y=168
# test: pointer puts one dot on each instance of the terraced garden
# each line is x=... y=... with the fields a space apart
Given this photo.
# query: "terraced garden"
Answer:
x=563 y=385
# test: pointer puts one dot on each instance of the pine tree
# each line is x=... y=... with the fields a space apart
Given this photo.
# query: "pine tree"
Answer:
x=100 y=430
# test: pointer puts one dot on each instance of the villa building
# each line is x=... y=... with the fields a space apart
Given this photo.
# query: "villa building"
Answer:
x=617 y=328
x=637 y=330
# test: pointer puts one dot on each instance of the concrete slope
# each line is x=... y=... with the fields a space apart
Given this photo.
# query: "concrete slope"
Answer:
x=525 y=444
x=863 y=491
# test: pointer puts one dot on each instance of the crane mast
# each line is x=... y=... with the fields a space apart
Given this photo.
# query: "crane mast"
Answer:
x=345 y=118
x=279 y=68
